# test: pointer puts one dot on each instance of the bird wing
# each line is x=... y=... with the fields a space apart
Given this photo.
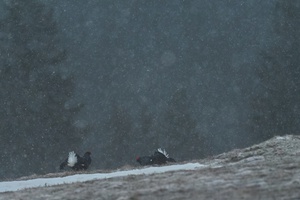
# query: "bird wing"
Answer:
x=63 y=164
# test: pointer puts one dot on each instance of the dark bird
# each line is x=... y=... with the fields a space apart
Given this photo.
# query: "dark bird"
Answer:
x=158 y=158
x=76 y=162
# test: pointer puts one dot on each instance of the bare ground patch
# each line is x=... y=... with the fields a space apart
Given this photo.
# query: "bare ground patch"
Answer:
x=270 y=170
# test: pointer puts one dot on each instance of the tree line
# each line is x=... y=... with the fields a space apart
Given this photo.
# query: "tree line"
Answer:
x=37 y=120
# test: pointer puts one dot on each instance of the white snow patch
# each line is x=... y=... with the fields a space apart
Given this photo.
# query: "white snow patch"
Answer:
x=41 y=182
x=286 y=137
x=253 y=159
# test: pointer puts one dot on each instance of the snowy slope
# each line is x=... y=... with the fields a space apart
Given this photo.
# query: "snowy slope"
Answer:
x=41 y=182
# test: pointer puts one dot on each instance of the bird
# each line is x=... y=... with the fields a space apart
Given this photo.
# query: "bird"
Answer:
x=75 y=162
x=159 y=157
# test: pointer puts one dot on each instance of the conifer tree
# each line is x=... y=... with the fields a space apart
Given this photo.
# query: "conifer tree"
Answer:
x=36 y=120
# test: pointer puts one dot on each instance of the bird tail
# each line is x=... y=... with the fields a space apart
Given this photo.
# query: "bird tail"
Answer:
x=163 y=151
x=72 y=159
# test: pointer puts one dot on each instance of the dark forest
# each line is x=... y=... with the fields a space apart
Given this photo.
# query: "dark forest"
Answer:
x=122 y=78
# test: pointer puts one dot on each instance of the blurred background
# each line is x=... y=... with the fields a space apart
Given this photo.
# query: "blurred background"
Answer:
x=122 y=78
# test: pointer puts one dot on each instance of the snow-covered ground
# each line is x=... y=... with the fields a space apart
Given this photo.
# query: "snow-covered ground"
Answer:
x=41 y=182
